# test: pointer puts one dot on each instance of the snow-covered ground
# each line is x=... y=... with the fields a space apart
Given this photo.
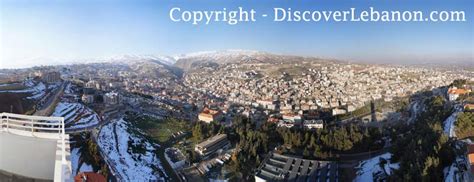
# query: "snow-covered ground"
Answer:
x=76 y=115
x=457 y=171
x=116 y=140
x=449 y=122
x=371 y=170
x=68 y=89
x=35 y=89
x=452 y=172
x=75 y=157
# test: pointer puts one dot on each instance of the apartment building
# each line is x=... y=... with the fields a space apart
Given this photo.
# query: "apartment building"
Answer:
x=212 y=145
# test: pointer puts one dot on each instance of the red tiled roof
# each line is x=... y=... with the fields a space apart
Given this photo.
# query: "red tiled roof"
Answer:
x=90 y=177
x=458 y=91
x=209 y=111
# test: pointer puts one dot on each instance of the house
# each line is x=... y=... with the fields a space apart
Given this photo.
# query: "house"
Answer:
x=89 y=177
x=313 y=124
x=209 y=115
x=470 y=158
x=469 y=107
x=267 y=104
x=454 y=93
x=212 y=145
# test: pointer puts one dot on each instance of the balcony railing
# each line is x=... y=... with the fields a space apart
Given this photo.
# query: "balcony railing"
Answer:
x=37 y=126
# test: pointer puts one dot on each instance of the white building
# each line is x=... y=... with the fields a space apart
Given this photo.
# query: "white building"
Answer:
x=112 y=98
x=337 y=111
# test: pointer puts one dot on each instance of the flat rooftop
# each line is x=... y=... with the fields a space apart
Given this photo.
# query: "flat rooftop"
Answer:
x=286 y=168
x=28 y=156
x=33 y=148
x=9 y=177
x=211 y=141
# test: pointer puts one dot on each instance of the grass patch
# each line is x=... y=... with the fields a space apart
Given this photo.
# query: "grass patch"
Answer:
x=157 y=131
x=160 y=130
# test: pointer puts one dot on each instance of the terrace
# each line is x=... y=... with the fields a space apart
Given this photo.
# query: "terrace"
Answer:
x=34 y=148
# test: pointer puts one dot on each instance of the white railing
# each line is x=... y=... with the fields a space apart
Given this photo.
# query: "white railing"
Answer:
x=36 y=126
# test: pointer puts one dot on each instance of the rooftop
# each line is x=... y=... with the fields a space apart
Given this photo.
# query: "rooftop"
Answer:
x=211 y=141
x=210 y=112
x=458 y=91
x=38 y=147
x=285 y=168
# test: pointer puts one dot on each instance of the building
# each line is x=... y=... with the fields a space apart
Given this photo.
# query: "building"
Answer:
x=294 y=118
x=112 y=98
x=212 y=145
x=34 y=154
x=454 y=93
x=470 y=159
x=87 y=98
x=267 y=104
x=209 y=115
x=175 y=158
x=469 y=107
x=284 y=123
x=93 y=84
x=313 y=124
x=337 y=111
x=278 y=167
x=51 y=77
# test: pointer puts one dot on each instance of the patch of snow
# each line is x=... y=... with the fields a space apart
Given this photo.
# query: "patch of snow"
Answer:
x=114 y=140
x=75 y=158
x=86 y=122
x=219 y=54
x=76 y=115
x=128 y=58
x=370 y=170
x=68 y=89
x=453 y=173
x=449 y=122
x=37 y=90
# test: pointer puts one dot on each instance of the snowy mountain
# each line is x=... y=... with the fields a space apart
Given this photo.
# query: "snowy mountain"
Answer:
x=130 y=58
x=211 y=58
x=218 y=55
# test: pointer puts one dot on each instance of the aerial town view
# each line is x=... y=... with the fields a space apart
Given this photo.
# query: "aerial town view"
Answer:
x=215 y=111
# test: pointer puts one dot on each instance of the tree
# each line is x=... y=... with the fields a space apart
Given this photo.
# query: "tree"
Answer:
x=306 y=153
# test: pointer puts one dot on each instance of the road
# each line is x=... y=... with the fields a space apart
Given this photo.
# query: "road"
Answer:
x=46 y=108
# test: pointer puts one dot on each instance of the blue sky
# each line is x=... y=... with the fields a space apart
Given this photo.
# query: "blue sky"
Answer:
x=50 y=32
